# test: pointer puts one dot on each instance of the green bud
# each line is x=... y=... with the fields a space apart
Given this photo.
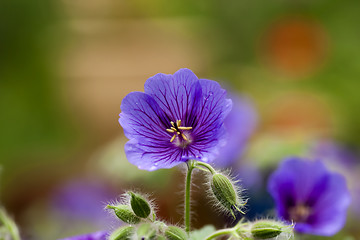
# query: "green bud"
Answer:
x=225 y=192
x=146 y=232
x=175 y=233
x=139 y=205
x=122 y=233
x=266 y=229
x=124 y=213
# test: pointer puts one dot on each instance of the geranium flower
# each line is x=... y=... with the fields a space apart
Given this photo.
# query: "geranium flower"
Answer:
x=101 y=235
x=178 y=117
x=308 y=194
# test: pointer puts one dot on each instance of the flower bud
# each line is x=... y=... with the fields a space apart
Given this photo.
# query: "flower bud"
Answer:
x=175 y=233
x=139 y=205
x=124 y=213
x=122 y=233
x=146 y=231
x=225 y=192
x=268 y=229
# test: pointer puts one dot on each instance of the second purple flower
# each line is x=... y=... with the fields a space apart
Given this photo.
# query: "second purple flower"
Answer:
x=178 y=117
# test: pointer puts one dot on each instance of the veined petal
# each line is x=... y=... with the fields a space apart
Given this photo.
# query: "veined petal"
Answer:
x=142 y=118
x=208 y=127
x=152 y=157
x=177 y=95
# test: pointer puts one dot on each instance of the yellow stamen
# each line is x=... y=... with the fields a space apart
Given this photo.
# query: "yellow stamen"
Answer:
x=175 y=128
x=184 y=128
x=184 y=137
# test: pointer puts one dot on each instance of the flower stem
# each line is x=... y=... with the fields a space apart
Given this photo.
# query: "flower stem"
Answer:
x=191 y=167
x=208 y=166
x=227 y=231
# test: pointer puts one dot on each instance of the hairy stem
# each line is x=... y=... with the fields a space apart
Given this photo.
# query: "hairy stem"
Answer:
x=191 y=167
x=210 y=168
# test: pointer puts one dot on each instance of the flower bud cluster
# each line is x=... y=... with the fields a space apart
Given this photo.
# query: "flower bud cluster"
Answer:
x=133 y=212
x=137 y=213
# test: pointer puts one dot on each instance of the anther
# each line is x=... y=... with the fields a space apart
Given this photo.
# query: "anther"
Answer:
x=175 y=128
x=184 y=137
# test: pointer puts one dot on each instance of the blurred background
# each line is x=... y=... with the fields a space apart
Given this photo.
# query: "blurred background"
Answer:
x=66 y=65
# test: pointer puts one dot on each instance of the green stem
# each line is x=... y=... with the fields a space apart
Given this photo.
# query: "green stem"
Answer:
x=9 y=225
x=228 y=231
x=211 y=169
x=191 y=167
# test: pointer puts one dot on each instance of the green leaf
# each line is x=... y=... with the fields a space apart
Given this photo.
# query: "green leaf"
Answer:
x=202 y=233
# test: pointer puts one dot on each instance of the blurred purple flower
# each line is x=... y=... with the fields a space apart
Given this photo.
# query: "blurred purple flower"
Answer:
x=83 y=200
x=310 y=195
x=101 y=235
x=178 y=117
x=345 y=161
x=240 y=124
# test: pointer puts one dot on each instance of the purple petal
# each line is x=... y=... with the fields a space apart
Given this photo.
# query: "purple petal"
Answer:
x=288 y=174
x=142 y=118
x=151 y=156
x=101 y=235
x=208 y=128
x=330 y=220
x=178 y=95
x=144 y=124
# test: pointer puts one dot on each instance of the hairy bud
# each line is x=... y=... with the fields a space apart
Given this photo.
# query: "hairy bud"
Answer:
x=266 y=229
x=175 y=233
x=139 y=205
x=225 y=192
x=122 y=233
x=124 y=213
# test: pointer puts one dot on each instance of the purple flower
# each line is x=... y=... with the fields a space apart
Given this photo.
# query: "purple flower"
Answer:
x=179 y=117
x=101 y=235
x=83 y=200
x=240 y=124
x=310 y=195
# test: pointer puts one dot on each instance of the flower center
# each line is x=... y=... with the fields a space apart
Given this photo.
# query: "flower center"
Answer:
x=299 y=213
x=176 y=129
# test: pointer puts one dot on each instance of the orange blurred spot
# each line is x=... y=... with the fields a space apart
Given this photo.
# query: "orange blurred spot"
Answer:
x=295 y=46
x=301 y=111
